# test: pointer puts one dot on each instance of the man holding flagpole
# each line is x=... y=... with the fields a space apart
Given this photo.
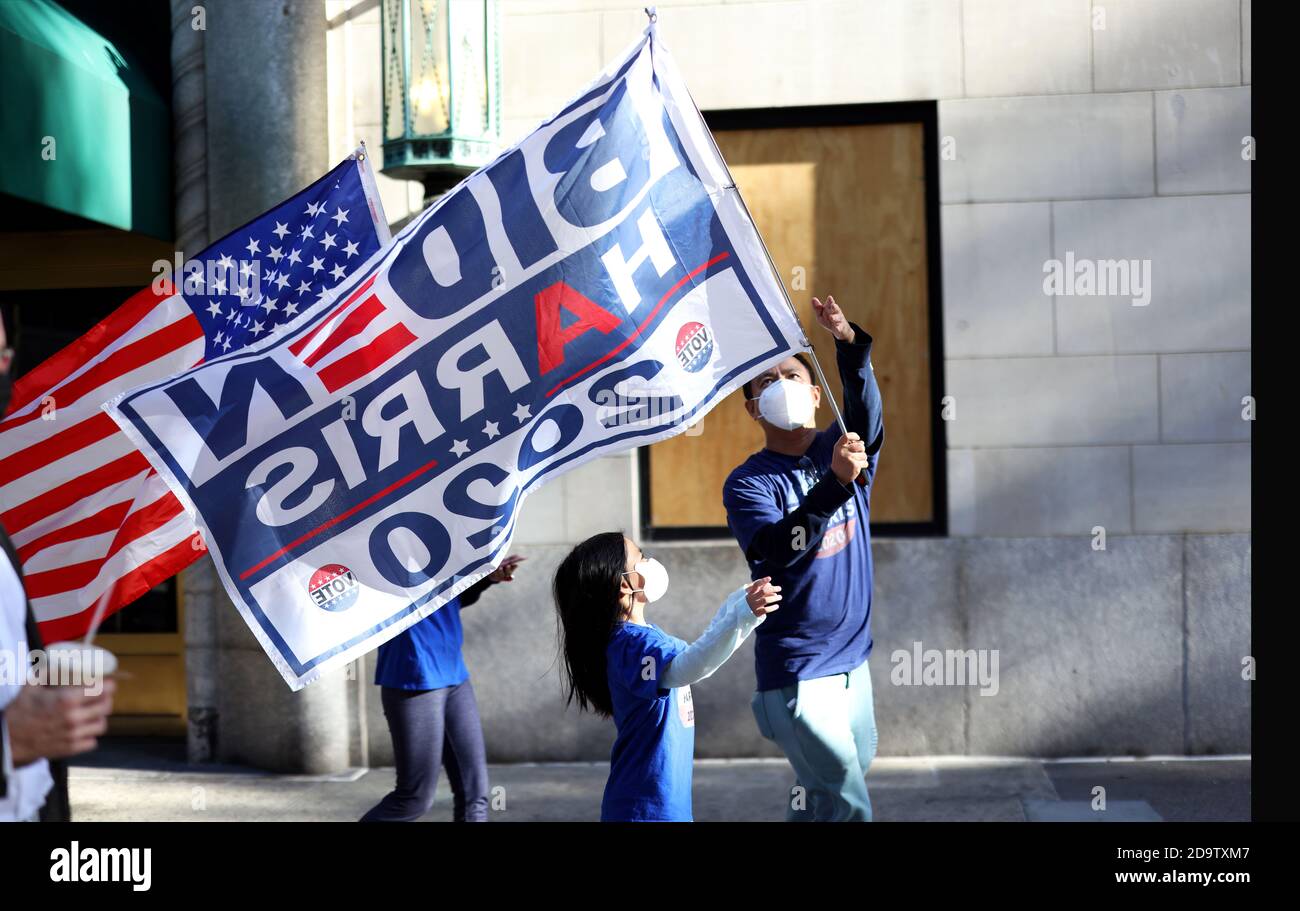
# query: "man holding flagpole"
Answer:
x=798 y=509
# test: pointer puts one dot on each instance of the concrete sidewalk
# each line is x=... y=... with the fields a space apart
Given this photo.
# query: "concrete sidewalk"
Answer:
x=128 y=784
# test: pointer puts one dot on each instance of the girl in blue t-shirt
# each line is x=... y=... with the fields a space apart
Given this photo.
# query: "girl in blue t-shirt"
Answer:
x=620 y=666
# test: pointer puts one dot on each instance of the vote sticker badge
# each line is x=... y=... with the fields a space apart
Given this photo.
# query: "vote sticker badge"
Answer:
x=694 y=346
x=333 y=587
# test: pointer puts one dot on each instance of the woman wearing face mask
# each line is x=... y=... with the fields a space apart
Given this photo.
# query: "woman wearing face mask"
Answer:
x=620 y=666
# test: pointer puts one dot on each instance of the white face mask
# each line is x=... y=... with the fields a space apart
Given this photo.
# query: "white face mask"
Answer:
x=654 y=578
x=787 y=404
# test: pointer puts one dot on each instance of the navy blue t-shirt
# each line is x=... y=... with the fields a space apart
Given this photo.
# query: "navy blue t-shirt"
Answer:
x=650 y=765
x=824 y=624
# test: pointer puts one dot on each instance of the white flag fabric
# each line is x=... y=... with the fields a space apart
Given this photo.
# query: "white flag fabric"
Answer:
x=598 y=287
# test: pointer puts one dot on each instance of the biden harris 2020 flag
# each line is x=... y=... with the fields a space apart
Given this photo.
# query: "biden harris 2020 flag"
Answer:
x=598 y=287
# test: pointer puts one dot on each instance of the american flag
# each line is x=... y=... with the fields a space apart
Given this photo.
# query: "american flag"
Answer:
x=88 y=515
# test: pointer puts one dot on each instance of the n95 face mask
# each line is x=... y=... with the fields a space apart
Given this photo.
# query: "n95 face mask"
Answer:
x=655 y=579
x=787 y=404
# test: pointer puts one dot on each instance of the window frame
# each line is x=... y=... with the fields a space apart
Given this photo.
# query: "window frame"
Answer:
x=926 y=113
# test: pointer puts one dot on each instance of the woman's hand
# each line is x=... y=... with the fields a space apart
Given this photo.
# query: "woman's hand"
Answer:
x=506 y=571
x=761 y=596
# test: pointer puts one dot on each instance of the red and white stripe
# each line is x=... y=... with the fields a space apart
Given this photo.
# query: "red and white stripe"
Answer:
x=354 y=339
x=87 y=513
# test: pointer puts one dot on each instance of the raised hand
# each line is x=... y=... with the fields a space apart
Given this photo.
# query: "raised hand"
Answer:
x=832 y=318
x=761 y=596
x=506 y=571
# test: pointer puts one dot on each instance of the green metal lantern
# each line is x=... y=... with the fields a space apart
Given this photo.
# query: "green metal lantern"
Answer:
x=442 y=88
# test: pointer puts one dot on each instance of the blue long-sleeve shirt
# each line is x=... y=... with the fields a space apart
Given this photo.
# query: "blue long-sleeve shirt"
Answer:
x=797 y=523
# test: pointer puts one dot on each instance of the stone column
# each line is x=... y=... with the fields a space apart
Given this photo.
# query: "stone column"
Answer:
x=249 y=92
x=199 y=589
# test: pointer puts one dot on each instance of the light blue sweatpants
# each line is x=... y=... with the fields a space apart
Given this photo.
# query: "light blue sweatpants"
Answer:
x=827 y=728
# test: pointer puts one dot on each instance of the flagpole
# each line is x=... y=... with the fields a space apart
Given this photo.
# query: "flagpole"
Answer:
x=651 y=12
x=368 y=184
x=98 y=616
x=821 y=374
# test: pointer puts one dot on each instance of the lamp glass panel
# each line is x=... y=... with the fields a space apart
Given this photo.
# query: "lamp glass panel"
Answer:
x=429 y=88
x=394 y=85
x=469 y=55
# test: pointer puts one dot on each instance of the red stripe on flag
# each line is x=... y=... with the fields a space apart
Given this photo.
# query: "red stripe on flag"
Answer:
x=55 y=447
x=146 y=520
x=125 y=590
x=363 y=360
x=63 y=496
x=38 y=381
x=124 y=360
x=353 y=324
x=645 y=322
x=297 y=347
x=65 y=578
x=78 y=575
x=101 y=523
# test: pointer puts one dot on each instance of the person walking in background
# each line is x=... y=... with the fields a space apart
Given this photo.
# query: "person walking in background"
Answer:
x=620 y=666
x=798 y=508
x=432 y=713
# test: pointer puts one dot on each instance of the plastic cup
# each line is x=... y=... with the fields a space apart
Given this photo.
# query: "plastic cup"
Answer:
x=78 y=664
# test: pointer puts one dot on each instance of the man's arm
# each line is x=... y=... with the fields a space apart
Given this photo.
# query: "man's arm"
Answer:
x=777 y=540
x=503 y=573
x=863 y=408
x=471 y=594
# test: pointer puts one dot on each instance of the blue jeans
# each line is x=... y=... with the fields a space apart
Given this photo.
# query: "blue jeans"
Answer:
x=827 y=728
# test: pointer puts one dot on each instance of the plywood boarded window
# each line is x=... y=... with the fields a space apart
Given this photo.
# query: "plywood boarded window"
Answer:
x=847 y=200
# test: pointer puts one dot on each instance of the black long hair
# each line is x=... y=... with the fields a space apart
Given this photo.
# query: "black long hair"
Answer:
x=587 y=606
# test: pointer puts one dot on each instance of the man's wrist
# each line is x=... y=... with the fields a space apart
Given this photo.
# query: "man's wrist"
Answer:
x=833 y=495
x=859 y=336
x=20 y=752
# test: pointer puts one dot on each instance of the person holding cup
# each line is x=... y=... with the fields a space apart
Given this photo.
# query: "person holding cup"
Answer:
x=40 y=724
